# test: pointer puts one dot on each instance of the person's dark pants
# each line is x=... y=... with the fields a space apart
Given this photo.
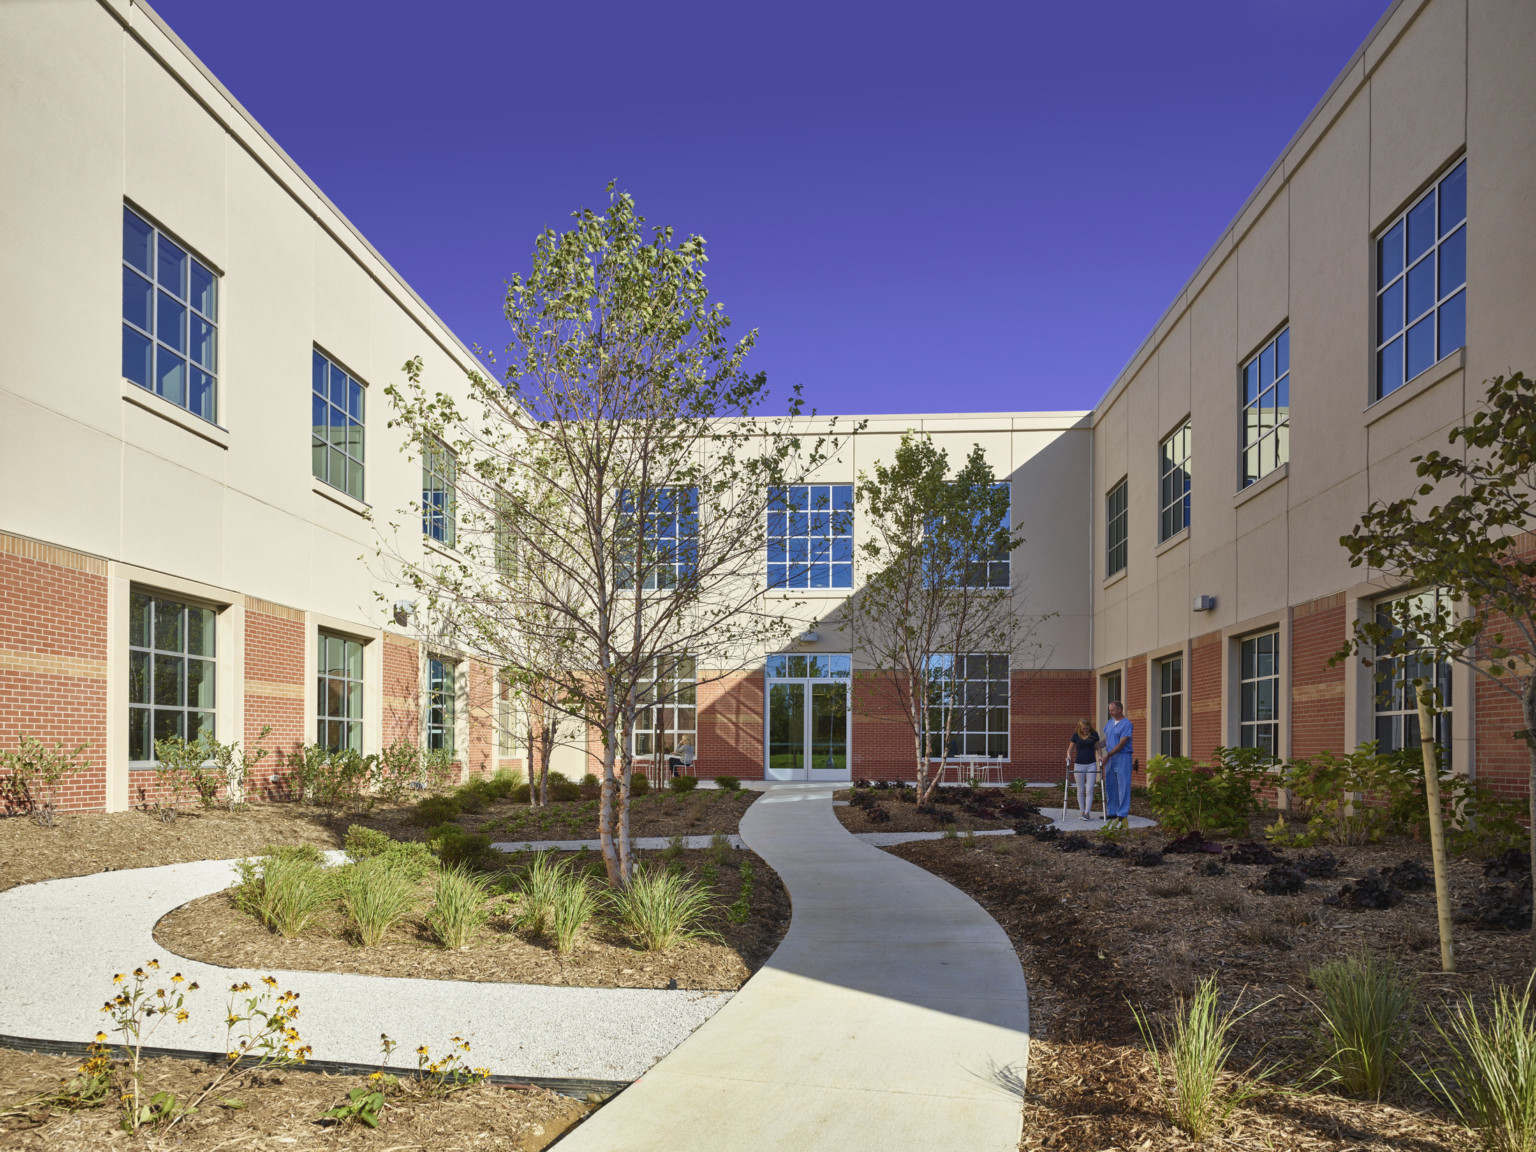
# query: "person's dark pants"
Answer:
x=674 y=763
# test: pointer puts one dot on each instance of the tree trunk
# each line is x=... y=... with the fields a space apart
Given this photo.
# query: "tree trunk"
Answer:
x=626 y=848
x=605 y=812
x=1436 y=832
x=1528 y=703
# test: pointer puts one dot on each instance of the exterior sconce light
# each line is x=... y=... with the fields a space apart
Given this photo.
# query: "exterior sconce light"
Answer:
x=403 y=611
x=1204 y=603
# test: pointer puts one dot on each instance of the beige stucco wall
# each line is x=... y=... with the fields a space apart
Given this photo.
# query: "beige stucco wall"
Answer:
x=1438 y=79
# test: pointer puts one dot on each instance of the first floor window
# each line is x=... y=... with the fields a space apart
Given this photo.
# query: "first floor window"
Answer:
x=810 y=536
x=1173 y=484
x=1170 y=706
x=1267 y=409
x=439 y=479
x=339 y=693
x=441 y=702
x=1421 y=283
x=1113 y=689
x=336 y=439
x=170 y=319
x=974 y=690
x=1116 y=529
x=1259 y=692
x=669 y=716
x=171 y=653
x=1396 y=700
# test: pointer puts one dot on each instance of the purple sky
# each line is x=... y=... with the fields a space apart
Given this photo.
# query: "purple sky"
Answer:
x=945 y=207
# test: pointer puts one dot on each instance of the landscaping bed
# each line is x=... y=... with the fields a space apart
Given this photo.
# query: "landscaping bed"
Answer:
x=605 y=955
x=1097 y=935
x=702 y=812
x=894 y=808
x=281 y=1109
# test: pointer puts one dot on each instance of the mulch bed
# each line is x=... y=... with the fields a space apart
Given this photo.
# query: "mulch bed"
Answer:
x=1096 y=934
x=282 y=1111
x=213 y=930
x=897 y=810
x=88 y=842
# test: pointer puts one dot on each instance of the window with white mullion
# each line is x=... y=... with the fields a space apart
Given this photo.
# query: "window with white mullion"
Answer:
x=170 y=319
x=1267 y=409
x=1173 y=484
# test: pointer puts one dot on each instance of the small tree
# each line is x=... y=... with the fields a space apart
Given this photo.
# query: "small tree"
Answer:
x=620 y=467
x=1472 y=551
x=939 y=589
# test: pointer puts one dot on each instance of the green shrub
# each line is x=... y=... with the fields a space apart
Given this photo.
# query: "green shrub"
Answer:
x=1017 y=786
x=520 y=794
x=590 y=780
x=1189 y=1055
x=720 y=848
x=663 y=908
x=639 y=784
x=729 y=783
x=364 y=843
x=677 y=844
x=562 y=788
x=396 y=769
x=457 y=848
x=502 y=785
x=1490 y=1081
x=34 y=773
x=375 y=897
x=437 y=767
x=575 y=903
x=435 y=810
x=1213 y=798
x=411 y=858
x=458 y=907
x=468 y=798
x=329 y=777
x=1365 y=1008
x=681 y=784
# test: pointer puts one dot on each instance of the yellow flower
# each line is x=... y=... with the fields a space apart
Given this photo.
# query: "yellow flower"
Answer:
x=181 y=1016
x=154 y=963
x=138 y=973
x=192 y=987
x=178 y=979
x=269 y=981
x=101 y=1037
x=376 y=1076
x=118 y=979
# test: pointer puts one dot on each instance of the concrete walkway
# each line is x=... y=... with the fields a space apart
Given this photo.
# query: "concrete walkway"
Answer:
x=61 y=941
x=893 y=1016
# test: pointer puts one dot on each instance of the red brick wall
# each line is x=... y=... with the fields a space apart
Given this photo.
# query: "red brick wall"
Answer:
x=53 y=657
x=402 y=701
x=1046 y=706
x=883 y=747
x=1205 y=693
x=1317 y=690
x=480 y=696
x=276 y=677
x=1136 y=712
x=730 y=723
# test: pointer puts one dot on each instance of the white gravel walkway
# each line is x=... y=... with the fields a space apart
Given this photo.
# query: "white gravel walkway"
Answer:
x=62 y=940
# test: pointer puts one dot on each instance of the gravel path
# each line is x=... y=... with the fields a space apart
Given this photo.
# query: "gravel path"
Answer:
x=62 y=940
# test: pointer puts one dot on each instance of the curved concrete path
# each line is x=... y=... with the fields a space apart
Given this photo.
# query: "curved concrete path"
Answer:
x=893 y=1016
x=61 y=941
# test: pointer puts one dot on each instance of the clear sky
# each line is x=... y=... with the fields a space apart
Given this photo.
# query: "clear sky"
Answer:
x=923 y=208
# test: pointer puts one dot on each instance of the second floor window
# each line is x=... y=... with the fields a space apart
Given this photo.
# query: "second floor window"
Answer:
x=995 y=571
x=1173 y=484
x=439 y=479
x=1267 y=409
x=170 y=319
x=662 y=540
x=1116 y=529
x=1421 y=281
x=810 y=537
x=337 y=440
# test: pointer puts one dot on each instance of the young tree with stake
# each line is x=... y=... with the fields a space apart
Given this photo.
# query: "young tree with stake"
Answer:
x=1472 y=550
x=621 y=451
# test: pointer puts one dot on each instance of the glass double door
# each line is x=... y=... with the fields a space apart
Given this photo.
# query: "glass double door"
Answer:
x=807 y=727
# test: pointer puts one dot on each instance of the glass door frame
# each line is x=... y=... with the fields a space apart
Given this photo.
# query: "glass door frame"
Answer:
x=806 y=672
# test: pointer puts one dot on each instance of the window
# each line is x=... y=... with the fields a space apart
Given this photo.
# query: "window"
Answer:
x=1113 y=691
x=810 y=537
x=1267 y=409
x=1115 y=529
x=668 y=718
x=1397 y=704
x=994 y=571
x=1259 y=689
x=1170 y=706
x=339 y=696
x=1173 y=484
x=976 y=689
x=337 y=442
x=668 y=534
x=1421 y=280
x=170 y=672
x=441 y=702
x=439 y=475
x=170 y=319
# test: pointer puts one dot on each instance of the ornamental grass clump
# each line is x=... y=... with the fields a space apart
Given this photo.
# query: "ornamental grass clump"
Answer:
x=574 y=903
x=1490 y=1081
x=1189 y=1054
x=1365 y=1005
x=536 y=890
x=284 y=889
x=664 y=908
x=459 y=907
x=376 y=897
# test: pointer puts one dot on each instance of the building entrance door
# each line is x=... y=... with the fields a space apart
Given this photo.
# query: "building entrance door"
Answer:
x=807 y=722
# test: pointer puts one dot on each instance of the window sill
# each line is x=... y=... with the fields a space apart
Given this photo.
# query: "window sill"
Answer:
x=337 y=496
x=808 y=593
x=1262 y=484
x=163 y=408
x=1116 y=578
x=1416 y=387
x=447 y=553
x=1173 y=541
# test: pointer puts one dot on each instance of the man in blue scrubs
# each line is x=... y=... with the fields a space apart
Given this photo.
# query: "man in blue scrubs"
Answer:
x=1117 y=766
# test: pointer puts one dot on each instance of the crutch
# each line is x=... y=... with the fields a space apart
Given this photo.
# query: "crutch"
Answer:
x=1065 y=785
